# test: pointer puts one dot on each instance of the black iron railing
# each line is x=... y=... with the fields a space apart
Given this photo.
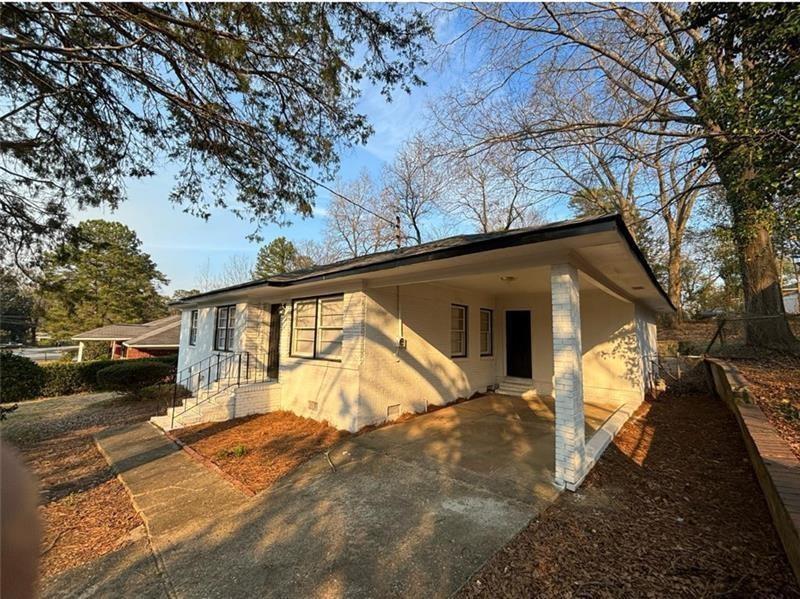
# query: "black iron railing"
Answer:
x=213 y=375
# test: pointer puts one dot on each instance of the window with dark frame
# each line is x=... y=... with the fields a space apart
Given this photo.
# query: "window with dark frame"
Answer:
x=193 y=328
x=317 y=325
x=304 y=327
x=487 y=329
x=223 y=331
x=458 y=331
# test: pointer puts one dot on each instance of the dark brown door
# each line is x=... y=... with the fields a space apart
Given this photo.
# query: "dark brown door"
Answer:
x=518 y=344
x=273 y=350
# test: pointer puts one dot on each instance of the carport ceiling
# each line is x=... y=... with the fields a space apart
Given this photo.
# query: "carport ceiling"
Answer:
x=512 y=281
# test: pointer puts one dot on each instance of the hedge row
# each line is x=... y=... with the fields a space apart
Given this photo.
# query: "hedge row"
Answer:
x=24 y=379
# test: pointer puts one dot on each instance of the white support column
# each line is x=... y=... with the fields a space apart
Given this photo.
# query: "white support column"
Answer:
x=567 y=376
x=81 y=347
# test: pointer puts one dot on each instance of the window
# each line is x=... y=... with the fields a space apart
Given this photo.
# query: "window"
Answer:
x=193 y=328
x=317 y=327
x=487 y=328
x=223 y=333
x=304 y=313
x=458 y=331
x=329 y=337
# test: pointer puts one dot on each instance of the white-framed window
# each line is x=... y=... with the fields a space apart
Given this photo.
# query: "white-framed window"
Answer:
x=193 y=328
x=458 y=331
x=223 y=331
x=487 y=329
x=317 y=325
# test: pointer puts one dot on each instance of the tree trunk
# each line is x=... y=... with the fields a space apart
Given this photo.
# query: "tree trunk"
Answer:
x=751 y=210
x=760 y=284
x=674 y=286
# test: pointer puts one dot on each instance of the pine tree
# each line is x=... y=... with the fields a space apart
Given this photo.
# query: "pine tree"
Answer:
x=101 y=276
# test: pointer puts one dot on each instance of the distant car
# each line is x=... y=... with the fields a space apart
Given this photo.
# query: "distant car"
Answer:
x=10 y=345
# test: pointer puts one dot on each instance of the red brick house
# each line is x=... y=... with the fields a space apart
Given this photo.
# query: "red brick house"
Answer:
x=150 y=339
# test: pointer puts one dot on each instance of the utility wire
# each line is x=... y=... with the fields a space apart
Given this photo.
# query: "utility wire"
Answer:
x=395 y=224
x=329 y=189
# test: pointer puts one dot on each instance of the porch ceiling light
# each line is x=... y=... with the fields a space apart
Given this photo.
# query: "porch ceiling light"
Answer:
x=508 y=278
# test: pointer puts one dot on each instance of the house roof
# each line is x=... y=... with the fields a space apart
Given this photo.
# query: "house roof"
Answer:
x=166 y=335
x=131 y=332
x=449 y=247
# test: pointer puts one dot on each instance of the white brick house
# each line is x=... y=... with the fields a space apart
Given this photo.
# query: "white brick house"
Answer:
x=564 y=310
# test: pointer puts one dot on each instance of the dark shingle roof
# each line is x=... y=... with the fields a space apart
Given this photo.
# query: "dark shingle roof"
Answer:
x=448 y=247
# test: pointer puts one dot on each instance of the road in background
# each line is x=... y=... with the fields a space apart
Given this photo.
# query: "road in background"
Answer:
x=45 y=354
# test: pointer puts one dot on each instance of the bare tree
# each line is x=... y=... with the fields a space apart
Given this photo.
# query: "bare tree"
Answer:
x=413 y=184
x=316 y=253
x=238 y=268
x=658 y=74
x=492 y=191
x=354 y=226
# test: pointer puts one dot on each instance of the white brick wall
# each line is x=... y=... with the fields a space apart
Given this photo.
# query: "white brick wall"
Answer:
x=325 y=389
x=567 y=375
x=423 y=373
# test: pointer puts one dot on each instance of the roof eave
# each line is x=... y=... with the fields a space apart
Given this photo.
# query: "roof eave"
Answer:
x=557 y=231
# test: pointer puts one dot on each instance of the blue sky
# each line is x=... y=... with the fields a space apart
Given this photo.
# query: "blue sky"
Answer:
x=183 y=245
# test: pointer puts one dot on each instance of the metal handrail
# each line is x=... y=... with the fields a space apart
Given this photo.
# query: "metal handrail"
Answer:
x=241 y=364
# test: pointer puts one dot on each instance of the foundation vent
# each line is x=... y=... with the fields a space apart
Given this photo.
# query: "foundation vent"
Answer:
x=393 y=411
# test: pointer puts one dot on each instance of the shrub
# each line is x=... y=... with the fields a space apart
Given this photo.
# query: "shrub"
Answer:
x=132 y=376
x=62 y=378
x=66 y=378
x=96 y=350
x=89 y=371
x=171 y=359
x=20 y=378
x=164 y=392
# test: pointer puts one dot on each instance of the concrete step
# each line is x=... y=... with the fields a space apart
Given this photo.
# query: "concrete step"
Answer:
x=517 y=387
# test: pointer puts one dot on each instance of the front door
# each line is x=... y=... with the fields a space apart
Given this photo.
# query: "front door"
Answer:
x=518 y=344
x=273 y=349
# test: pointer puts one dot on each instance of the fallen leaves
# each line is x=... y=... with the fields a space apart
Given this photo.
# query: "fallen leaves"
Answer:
x=85 y=510
x=685 y=517
x=259 y=450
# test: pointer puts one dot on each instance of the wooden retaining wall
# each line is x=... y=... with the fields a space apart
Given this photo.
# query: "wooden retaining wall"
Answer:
x=775 y=465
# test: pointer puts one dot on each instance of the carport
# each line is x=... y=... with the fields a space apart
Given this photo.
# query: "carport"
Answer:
x=501 y=443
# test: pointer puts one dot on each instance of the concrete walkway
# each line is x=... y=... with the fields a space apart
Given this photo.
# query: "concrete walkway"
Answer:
x=411 y=510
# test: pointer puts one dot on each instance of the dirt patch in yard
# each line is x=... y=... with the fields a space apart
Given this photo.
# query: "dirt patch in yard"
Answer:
x=85 y=510
x=672 y=509
x=259 y=450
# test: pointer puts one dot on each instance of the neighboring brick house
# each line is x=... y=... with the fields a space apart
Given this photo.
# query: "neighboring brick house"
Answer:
x=150 y=339
x=566 y=310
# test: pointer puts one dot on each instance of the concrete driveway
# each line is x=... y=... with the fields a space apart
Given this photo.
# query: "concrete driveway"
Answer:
x=412 y=509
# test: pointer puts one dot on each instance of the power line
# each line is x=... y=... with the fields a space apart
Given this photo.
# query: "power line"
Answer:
x=395 y=224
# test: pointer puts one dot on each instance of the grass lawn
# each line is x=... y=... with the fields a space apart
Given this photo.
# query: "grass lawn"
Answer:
x=672 y=508
x=85 y=510
x=259 y=450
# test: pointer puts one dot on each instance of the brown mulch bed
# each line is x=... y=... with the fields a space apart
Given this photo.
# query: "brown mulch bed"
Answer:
x=259 y=450
x=85 y=510
x=774 y=381
x=672 y=509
